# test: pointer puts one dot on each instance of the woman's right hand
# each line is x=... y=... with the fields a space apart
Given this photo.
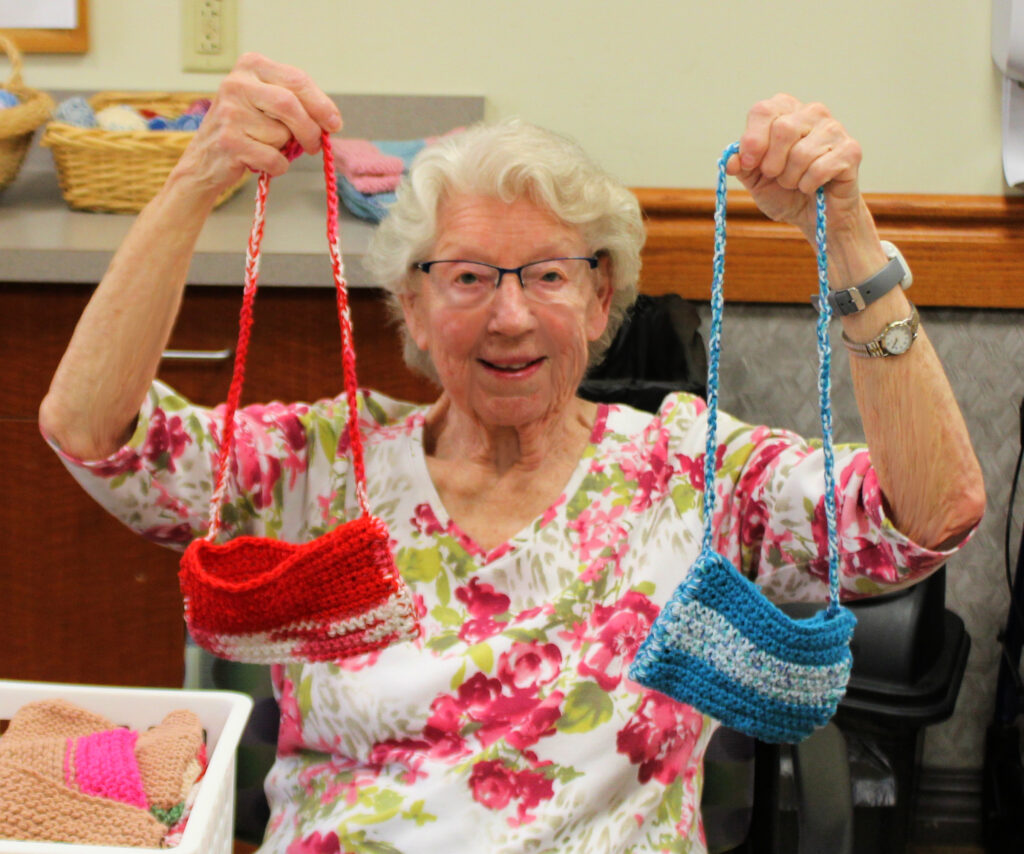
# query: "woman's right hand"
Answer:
x=114 y=354
x=258 y=107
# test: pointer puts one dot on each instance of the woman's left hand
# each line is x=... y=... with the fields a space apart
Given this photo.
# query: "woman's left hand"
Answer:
x=787 y=151
x=920 y=447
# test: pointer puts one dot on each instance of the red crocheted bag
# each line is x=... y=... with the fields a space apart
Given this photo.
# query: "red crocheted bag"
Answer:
x=261 y=600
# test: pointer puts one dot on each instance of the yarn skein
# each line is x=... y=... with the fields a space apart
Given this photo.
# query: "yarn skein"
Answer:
x=76 y=111
x=120 y=118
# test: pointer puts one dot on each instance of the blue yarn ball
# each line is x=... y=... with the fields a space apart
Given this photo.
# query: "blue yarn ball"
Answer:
x=8 y=99
x=160 y=123
x=76 y=111
x=187 y=122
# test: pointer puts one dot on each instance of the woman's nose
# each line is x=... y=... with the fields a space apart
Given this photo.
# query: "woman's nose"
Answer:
x=511 y=312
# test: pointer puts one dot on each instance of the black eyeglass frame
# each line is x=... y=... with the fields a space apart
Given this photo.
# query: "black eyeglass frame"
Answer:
x=424 y=266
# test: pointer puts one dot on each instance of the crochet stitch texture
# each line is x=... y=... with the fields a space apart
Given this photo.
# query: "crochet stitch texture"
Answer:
x=719 y=645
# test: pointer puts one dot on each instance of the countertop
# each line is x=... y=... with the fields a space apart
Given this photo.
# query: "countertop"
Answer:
x=42 y=240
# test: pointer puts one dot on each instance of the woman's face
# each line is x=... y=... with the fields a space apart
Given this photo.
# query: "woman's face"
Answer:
x=513 y=359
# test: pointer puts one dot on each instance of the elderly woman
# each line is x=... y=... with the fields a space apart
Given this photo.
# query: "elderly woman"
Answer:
x=539 y=533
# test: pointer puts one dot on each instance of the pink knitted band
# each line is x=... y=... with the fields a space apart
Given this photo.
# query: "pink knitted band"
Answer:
x=104 y=765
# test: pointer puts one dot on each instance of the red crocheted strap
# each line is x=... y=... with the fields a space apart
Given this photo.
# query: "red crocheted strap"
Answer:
x=293 y=149
x=348 y=353
x=254 y=249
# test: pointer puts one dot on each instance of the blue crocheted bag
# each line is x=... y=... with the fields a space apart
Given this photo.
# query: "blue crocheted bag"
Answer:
x=719 y=644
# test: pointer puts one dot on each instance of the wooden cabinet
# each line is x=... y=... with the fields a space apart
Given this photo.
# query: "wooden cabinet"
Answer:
x=82 y=598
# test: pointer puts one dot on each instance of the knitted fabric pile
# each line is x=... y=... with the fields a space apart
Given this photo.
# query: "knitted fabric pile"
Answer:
x=69 y=775
x=369 y=171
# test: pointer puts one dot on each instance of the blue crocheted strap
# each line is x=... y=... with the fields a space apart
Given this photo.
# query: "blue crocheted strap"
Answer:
x=824 y=371
x=825 y=400
x=715 y=345
x=689 y=679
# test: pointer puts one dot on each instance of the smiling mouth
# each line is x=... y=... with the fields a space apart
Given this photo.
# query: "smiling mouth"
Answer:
x=511 y=367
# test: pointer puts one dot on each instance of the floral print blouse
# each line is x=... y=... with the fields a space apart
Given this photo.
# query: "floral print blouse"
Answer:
x=510 y=724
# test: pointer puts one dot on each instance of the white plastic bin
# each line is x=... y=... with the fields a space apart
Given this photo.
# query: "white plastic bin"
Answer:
x=210 y=828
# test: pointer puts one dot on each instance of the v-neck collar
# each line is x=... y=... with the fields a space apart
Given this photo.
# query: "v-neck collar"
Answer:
x=529 y=530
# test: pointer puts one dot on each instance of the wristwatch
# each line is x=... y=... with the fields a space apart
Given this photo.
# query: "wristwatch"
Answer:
x=894 y=340
x=859 y=297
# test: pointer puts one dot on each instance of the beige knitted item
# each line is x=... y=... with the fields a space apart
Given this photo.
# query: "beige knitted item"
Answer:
x=49 y=718
x=37 y=734
x=35 y=807
x=167 y=758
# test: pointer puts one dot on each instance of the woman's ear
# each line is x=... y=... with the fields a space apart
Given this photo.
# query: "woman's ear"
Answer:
x=600 y=305
x=412 y=308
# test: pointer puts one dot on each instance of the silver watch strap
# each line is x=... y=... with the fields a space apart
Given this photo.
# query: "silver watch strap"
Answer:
x=875 y=348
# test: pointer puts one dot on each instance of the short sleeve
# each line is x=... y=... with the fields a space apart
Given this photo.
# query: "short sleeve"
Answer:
x=770 y=511
x=160 y=483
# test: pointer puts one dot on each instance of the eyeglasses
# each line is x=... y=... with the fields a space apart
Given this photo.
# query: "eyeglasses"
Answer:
x=472 y=283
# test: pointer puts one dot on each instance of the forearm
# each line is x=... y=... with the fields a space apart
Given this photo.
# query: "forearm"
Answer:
x=918 y=441
x=114 y=353
x=915 y=431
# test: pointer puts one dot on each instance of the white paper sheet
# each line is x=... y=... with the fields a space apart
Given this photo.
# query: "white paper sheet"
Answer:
x=1013 y=132
x=39 y=14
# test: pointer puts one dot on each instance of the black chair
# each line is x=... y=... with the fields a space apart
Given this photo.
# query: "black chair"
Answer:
x=909 y=653
x=909 y=657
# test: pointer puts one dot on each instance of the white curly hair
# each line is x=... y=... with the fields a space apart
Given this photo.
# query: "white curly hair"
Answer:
x=509 y=160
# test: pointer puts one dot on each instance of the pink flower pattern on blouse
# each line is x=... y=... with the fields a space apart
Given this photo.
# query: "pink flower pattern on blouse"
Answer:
x=510 y=724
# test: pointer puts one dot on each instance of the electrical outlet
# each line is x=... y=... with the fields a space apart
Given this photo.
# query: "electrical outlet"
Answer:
x=209 y=35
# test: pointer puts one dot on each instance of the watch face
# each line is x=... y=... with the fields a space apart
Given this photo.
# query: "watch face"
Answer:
x=897 y=339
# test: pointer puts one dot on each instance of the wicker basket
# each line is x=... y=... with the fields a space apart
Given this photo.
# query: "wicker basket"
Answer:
x=19 y=123
x=120 y=171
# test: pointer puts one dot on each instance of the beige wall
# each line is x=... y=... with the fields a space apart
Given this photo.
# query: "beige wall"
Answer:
x=654 y=89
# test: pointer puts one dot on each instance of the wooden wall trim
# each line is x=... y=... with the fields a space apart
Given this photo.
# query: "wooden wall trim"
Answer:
x=54 y=41
x=965 y=251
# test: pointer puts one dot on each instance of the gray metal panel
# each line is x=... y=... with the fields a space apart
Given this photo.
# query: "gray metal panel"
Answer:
x=769 y=376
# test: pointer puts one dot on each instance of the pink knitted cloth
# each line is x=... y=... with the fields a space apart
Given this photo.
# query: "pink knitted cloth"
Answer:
x=369 y=170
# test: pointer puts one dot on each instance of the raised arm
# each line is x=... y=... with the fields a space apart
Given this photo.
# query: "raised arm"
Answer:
x=915 y=432
x=112 y=358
